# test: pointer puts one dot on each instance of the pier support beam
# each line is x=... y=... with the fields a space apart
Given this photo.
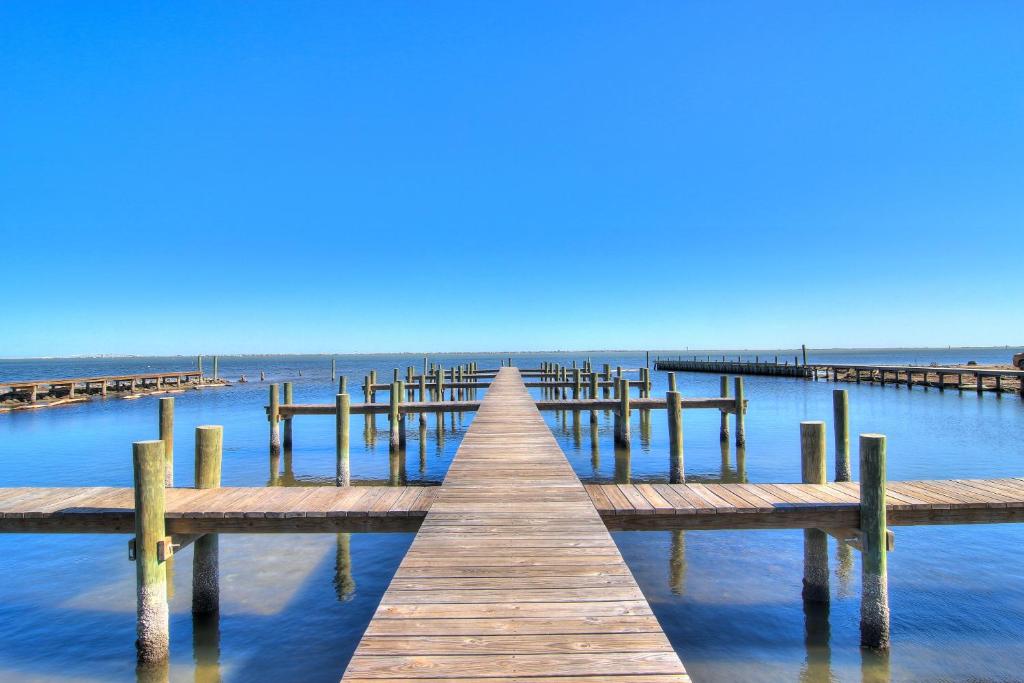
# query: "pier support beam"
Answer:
x=874 y=601
x=152 y=624
x=812 y=470
x=206 y=553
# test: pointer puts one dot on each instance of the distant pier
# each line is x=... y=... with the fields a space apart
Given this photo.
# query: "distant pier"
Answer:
x=959 y=377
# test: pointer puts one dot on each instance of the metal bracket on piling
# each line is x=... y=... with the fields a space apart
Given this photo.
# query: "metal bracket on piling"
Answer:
x=166 y=548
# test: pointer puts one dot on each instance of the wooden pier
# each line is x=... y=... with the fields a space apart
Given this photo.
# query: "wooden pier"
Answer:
x=979 y=379
x=31 y=391
x=513 y=575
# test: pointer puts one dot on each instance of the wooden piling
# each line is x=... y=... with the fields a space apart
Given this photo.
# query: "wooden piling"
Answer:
x=605 y=392
x=167 y=436
x=803 y=348
x=723 y=431
x=216 y=367
x=206 y=549
x=677 y=472
x=401 y=416
x=812 y=470
x=423 y=397
x=341 y=440
x=274 y=417
x=622 y=429
x=288 y=399
x=841 y=417
x=199 y=366
x=874 y=601
x=395 y=441
x=576 y=386
x=151 y=549
x=741 y=409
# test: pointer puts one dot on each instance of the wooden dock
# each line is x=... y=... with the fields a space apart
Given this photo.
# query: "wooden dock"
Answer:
x=31 y=390
x=513 y=575
x=804 y=506
x=979 y=379
x=100 y=509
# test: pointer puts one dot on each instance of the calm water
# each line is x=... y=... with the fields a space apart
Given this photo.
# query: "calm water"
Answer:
x=293 y=607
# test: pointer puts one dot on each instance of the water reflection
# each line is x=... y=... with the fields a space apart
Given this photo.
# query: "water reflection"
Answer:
x=344 y=584
x=206 y=647
x=817 y=633
x=677 y=563
x=874 y=666
x=622 y=465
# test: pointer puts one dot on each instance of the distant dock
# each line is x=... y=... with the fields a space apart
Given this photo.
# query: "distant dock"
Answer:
x=960 y=377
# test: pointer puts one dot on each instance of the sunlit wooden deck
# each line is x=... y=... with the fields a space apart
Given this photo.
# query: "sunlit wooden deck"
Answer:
x=513 y=575
x=789 y=506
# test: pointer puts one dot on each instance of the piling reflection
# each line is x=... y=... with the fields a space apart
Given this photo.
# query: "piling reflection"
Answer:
x=817 y=634
x=344 y=584
x=875 y=666
x=622 y=465
x=576 y=436
x=645 y=429
x=206 y=647
x=595 y=448
x=423 y=448
x=677 y=563
x=844 y=569
x=288 y=471
x=275 y=468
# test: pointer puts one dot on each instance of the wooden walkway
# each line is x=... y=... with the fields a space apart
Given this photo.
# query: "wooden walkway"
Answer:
x=513 y=575
x=788 y=506
x=231 y=509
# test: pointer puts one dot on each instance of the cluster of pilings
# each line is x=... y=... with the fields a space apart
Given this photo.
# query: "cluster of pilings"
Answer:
x=439 y=390
x=872 y=538
x=152 y=549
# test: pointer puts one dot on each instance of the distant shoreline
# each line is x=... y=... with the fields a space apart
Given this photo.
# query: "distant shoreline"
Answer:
x=698 y=351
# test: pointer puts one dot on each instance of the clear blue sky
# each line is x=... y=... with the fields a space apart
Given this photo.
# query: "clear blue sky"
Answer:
x=383 y=176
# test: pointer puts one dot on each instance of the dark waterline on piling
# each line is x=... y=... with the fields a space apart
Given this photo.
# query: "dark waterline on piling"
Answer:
x=730 y=601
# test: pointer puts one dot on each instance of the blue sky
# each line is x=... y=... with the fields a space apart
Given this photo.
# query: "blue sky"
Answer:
x=385 y=176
